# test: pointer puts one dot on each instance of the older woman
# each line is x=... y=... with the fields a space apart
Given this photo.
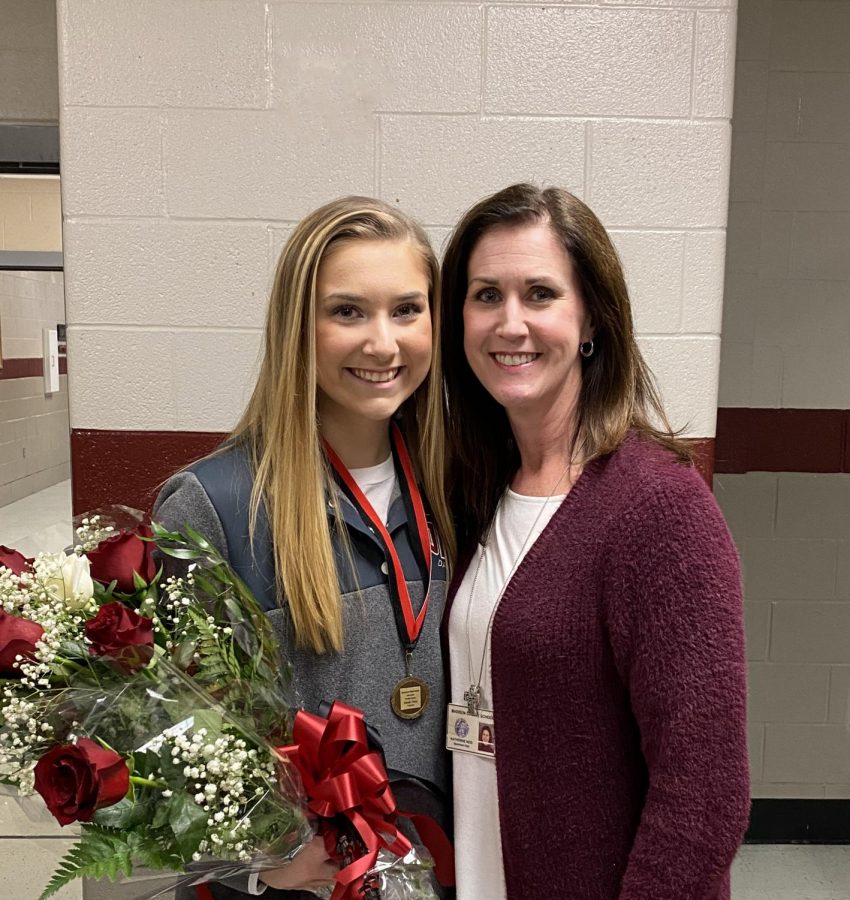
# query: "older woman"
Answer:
x=596 y=615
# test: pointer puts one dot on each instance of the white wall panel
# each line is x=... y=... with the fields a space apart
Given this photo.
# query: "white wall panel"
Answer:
x=684 y=367
x=176 y=273
x=643 y=173
x=276 y=164
x=653 y=262
x=702 y=292
x=190 y=53
x=216 y=371
x=571 y=61
x=420 y=58
x=714 y=64
x=90 y=188
x=122 y=379
x=468 y=157
x=198 y=131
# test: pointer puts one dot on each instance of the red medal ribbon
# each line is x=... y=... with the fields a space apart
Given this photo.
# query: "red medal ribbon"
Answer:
x=344 y=776
x=413 y=623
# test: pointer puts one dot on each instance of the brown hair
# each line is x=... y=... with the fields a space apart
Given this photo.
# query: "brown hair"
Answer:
x=280 y=426
x=617 y=390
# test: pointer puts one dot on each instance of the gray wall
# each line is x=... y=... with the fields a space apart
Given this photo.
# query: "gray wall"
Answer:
x=29 y=89
x=786 y=343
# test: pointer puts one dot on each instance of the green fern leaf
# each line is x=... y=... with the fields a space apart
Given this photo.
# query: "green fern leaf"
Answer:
x=98 y=854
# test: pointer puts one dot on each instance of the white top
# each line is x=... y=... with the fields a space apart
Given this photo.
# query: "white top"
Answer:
x=478 y=847
x=377 y=483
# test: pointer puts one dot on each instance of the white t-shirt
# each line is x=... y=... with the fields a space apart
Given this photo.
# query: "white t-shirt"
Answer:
x=478 y=847
x=377 y=483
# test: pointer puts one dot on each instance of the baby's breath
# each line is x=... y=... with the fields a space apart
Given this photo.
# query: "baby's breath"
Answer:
x=224 y=777
x=90 y=533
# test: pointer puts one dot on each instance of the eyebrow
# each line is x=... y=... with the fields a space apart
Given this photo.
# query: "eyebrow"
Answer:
x=345 y=297
x=535 y=279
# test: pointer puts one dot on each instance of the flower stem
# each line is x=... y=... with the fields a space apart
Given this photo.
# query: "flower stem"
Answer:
x=147 y=782
x=70 y=663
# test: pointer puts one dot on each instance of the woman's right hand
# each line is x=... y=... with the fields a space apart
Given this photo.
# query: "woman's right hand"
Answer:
x=310 y=868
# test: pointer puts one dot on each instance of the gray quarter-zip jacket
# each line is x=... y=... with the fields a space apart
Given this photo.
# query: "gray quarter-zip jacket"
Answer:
x=213 y=496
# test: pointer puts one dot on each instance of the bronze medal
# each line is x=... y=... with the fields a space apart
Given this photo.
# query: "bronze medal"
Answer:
x=409 y=698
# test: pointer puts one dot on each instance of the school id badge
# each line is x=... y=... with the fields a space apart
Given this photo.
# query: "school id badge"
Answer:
x=468 y=732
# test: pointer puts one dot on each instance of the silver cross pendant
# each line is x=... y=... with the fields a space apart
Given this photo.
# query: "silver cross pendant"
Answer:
x=473 y=699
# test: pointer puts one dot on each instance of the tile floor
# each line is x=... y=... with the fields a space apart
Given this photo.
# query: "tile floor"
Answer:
x=42 y=522
x=791 y=872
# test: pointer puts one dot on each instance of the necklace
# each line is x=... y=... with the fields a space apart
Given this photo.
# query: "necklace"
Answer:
x=473 y=695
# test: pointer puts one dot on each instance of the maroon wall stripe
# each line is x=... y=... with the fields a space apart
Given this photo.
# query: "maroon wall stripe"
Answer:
x=782 y=440
x=129 y=466
x=28 y=367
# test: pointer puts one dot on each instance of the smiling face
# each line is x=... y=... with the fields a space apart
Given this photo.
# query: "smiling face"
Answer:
x=523 y=319
x=373 y=330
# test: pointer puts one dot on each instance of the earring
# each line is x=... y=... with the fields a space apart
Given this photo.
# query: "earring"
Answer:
x=586 y=349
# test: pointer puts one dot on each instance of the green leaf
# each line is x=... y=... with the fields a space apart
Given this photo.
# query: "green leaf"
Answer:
x=161 y=814
x=202 y=542
x=98 y=854
x=183 y=653
x=171 y=768
x=181 y=552
x=235 y=613
x=73 y=650
x=150 y=851
x=115 y=816
x=188 y=822
x=161 y=533
x=153 y=590
x=138 y=582
x=246 y=640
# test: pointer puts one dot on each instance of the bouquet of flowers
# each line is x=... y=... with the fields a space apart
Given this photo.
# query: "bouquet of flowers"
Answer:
x=154 y=710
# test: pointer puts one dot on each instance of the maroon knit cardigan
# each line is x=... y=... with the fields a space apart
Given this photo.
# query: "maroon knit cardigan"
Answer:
x=619 y=691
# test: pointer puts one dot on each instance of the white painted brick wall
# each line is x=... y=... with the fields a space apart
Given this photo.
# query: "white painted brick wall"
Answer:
x=195 y=132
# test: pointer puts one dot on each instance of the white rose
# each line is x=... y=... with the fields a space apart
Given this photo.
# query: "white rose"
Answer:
x=72 y=582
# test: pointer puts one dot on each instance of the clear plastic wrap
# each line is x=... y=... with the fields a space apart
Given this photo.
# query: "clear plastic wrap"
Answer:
x=143 y=700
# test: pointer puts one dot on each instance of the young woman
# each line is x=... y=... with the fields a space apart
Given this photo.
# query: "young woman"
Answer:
x=596 y=625
x=316 y=497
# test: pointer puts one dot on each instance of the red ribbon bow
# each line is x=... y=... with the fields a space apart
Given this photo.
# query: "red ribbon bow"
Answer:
x=343 y=776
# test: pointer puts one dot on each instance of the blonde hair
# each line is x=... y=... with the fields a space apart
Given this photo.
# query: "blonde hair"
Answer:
x=280 y=428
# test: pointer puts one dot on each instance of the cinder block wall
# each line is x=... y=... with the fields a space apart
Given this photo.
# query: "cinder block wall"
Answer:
x=786 y=334
x=195 y=132
x=33 y=425
x=29 y=850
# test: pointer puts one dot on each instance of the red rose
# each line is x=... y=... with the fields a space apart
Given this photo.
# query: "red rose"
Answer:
x=116 y=558
x=77 y=779
x=17 y=638
x=122 y=634
x=14 y=560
